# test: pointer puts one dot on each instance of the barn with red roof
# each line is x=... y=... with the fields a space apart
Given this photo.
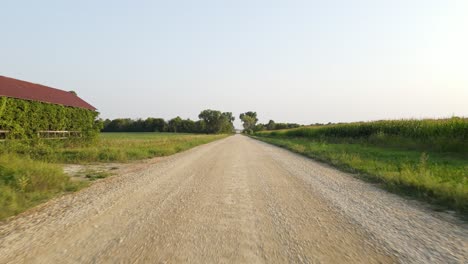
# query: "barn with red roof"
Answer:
x=33 y=110
x=14 y=88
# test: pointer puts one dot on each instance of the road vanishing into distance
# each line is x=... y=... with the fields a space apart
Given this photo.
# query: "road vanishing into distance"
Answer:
x=236 y=200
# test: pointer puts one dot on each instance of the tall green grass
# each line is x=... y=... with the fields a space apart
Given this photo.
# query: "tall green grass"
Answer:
x=25 y=182
x=427 y=159
x=110 y=147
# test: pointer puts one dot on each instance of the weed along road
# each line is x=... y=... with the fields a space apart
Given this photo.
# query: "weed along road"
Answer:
x=236 y=200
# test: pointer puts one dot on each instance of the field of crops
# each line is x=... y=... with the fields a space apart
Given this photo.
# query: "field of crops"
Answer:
x=439 y=135
x=427 y=159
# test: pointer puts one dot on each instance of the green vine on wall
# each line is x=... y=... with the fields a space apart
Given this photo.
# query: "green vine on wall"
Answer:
x=25 y=118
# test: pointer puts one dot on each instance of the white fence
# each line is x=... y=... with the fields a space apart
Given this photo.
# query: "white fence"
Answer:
x=47 y=134
x=50 y=134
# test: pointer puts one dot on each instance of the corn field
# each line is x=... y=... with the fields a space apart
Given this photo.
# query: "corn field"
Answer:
x=440 y=134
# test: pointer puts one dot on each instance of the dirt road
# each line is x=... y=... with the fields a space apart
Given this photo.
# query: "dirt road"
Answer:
x=236 y=200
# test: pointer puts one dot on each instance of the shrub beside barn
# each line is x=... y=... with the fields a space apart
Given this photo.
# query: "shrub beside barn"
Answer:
x=29 y=111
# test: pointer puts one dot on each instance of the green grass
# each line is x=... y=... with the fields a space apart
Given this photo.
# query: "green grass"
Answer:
x=112 y=147
x=401 y=163
x=25 y=183
x=123 y=147
x=30 y=172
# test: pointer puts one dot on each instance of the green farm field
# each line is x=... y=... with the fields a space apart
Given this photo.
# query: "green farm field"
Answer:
x=110 y=147
x=31 y=173
x=123 y=147
x=425 y=159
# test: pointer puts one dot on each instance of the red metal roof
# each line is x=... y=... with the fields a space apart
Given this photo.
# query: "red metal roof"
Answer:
x=10 y=87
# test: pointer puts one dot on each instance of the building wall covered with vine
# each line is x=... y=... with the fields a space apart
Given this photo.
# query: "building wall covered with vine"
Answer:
x=24 y=119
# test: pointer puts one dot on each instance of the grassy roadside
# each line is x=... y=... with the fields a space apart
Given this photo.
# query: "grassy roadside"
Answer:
x=31 y=173
x=433 y=168
x=438 y=179
x=25 y=183
x=110 y=147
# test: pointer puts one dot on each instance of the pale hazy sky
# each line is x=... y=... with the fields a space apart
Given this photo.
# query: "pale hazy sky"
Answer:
x=291 y=61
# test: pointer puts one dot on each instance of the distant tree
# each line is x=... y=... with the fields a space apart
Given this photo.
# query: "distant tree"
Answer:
x=106 y=122
x=118 y=125
x=200 y=126
x=249 y=120
x=211 y=121
x=271 y=125
x=217 y=122
x=160 y=125
x=137 y=125
x=227 y=123
x=259 y=127
x=293 y=125
x=155 y=125
x=187 y=126
x=149 y=125
x=175 y=124
x=278 y=126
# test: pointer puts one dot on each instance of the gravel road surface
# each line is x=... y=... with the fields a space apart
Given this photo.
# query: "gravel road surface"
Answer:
x=236 y=200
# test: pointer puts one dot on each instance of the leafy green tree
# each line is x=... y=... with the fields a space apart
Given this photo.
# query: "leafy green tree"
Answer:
x=175 y=124
x=200 y=127
x=227 y=125
x=271 y=125
x=106 y=122
x=160 y=125
x=229 y=117
x=249 y=121
x=217 y=122
x=155 y=125
x=187 y=126
x=118 y=125
x=211 y=121
x=259 y=127
x=138 y=125
x=286 y=125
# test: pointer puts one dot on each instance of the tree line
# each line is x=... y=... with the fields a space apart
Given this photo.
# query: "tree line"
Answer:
x=210 y=122
x=249 y=122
